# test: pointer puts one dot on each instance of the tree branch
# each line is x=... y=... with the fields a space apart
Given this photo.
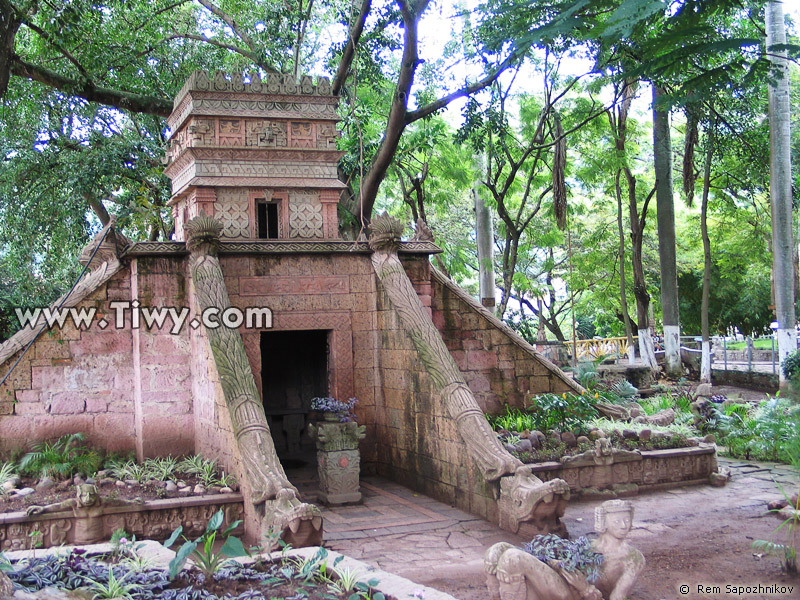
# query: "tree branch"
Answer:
x=86 y=90
x=350 y=48
x=396 y=123
x=468 y=90
x=242 y=35
x=201 y=38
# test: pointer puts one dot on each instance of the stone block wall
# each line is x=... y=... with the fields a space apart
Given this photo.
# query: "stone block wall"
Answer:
x=418 y=444
x=126 y=388
x=73 y=380
x=162 y=374
x=330 y=292
x=499 y=366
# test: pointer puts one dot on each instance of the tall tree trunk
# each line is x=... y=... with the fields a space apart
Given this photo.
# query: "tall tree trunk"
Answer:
x=623 y=298
x=646 y=349
x=619 y=125
x=485 y=238
x=781 y=184
x=9 y=24
x=662 y=151
x=705 y=360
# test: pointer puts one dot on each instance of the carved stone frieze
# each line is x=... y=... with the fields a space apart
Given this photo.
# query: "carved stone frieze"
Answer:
x=220 y=81
x=278 y=247
x=626 y=472
x=263 y=133
x=302 y=134
x=327 y=136
x=156 y=520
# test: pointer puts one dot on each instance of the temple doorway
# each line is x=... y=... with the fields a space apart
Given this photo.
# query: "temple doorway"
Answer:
x=294 y=369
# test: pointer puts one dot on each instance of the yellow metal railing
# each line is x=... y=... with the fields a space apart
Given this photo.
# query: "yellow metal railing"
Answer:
x=594 y=349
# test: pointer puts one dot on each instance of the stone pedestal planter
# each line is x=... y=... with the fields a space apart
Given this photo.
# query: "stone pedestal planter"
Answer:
x=338 y=460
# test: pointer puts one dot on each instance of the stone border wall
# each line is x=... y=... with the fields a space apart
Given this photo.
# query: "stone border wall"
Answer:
x=654 y=469
x=750 y=379
x=498 y=364
x=155 y=519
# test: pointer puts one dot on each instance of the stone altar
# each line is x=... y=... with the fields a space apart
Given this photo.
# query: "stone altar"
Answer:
x=338 y=460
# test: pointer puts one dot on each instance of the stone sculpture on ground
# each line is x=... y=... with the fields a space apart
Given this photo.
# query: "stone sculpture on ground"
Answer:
x=522 y=497
x=602 y=455
x=513 y=574
x=274 y=497
x=88 y=507
x=6 y=586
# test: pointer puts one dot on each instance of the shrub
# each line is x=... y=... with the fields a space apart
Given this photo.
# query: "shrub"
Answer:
x=64 y=457
x=791 y=364
x=565 y=412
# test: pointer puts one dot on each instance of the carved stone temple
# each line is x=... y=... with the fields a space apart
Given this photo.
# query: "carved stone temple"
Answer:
x=253 y=165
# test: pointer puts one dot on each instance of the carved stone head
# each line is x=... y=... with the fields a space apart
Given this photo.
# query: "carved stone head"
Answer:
x=614 y=517
x=86 y=494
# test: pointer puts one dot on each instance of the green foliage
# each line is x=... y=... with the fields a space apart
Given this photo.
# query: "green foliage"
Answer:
x=64 y=457
x=768 y=432
x=514 y=419
x=624 y=389
x=202 y=551
x=162 y=468
x=791 y=364
x=7 y=470
x=5 y=564
x=565 y=412
x=112 y=588
x=609 y=427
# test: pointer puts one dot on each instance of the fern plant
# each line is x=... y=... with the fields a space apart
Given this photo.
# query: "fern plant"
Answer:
x=63 y=458
x=624 y=389
x=6 y=473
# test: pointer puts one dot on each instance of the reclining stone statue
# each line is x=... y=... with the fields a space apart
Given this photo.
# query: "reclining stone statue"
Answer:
x=514 y=574
x=88 y=507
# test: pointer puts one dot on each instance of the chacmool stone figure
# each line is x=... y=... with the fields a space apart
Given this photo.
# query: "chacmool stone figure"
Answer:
x=88 y=508
x=514 y=574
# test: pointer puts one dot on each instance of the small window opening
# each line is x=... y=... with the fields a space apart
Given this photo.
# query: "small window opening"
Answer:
x=267 y=220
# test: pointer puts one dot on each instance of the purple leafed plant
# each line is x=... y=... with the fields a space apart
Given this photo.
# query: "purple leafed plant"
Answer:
x=331 y=405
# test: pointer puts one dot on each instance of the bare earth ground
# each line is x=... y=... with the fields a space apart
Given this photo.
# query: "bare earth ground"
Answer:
x=692 y=536
x=689 y=536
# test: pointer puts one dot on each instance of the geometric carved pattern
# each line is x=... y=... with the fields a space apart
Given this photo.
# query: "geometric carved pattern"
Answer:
x=274 y=84
x=231 y=209
x=302 y=135
x=265 y=247
x=305 y=216
x=326 y=136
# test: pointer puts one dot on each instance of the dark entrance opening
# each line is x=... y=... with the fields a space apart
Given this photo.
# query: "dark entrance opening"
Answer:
x=294 y=369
